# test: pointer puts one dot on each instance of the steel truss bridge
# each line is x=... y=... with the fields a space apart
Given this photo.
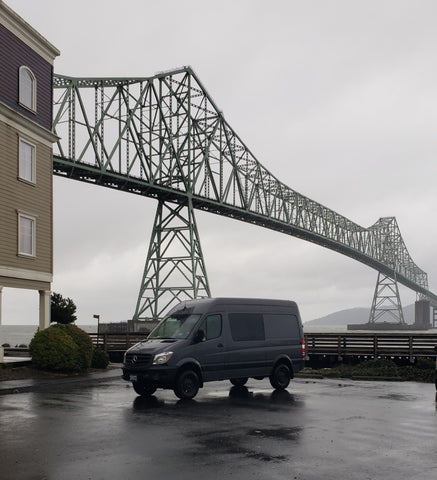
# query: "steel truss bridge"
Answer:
x=164 y=137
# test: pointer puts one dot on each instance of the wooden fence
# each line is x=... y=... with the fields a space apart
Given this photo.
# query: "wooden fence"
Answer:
x=116 y=342
x=371 y=345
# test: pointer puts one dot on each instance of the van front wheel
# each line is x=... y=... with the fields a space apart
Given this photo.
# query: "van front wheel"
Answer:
x=187 y=384
x=280 y=377
x=144 y=389
x=239 y=382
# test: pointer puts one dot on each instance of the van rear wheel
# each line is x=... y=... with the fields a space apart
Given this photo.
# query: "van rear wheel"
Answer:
x=187 y=384
x=280 y=377
x=239 y=382
x=144 y=389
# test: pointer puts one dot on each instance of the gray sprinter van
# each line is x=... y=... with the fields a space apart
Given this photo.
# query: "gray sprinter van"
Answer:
x=218 y=339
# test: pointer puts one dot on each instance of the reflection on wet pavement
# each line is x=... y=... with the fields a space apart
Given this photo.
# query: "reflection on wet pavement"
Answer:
x=317 y=429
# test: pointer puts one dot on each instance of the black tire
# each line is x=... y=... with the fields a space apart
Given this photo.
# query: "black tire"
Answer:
x=187 y=384
x=280 y=377
x=144 y=389
x=239 y=382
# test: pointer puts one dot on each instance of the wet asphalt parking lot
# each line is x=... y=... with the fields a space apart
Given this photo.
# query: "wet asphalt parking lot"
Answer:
x=318 y=429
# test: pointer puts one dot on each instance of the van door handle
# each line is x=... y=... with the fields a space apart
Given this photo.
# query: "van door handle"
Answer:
x=220 y=345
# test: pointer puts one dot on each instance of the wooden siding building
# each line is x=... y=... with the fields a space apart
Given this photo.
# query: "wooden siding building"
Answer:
x=26 y=174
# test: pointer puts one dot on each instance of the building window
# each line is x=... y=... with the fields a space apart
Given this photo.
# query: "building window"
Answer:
x=26 y=235
x=26 y=161
x=27 y=95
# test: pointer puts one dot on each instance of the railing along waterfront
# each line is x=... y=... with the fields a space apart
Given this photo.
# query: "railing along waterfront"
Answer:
x=371 y=344
x=119 y=342
x=338 y=345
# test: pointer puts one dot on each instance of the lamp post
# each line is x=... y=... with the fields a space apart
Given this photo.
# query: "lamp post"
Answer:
x=98 y=328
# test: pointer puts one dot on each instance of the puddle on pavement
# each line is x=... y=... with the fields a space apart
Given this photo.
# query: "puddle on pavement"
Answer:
x=398 y=396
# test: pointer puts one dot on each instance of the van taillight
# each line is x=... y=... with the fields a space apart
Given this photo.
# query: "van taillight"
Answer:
x=304 y=348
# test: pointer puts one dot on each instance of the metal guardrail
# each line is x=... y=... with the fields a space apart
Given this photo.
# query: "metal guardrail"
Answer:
x=371 y=344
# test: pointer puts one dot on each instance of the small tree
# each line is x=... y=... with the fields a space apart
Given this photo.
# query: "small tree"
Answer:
x=62 y=309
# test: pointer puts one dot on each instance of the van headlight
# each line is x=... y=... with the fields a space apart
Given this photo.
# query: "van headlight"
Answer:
x=162 y=358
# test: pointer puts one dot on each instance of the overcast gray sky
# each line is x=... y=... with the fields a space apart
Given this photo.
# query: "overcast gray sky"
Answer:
x=337 y=98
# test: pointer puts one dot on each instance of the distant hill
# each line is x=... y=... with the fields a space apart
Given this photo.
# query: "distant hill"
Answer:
x=358 y=315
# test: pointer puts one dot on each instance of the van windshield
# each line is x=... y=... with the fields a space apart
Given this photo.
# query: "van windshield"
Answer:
x=176 y=326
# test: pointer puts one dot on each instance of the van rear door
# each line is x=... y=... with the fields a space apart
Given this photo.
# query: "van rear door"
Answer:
x=283 y=336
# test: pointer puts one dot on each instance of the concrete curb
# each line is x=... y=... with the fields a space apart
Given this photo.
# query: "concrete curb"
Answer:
x=31 y=384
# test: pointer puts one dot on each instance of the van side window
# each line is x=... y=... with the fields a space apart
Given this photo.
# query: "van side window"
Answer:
x=246 y=326
x=281 y=326
x=212 y=326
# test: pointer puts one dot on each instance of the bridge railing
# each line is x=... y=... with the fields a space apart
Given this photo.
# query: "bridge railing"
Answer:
x=371 y=345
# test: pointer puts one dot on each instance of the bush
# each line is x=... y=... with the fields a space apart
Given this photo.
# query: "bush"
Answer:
x=422 y=371
x=6 y=345
x=425 y=364
x=377 y=367
x=100 y=359
x=83 y=341
x=62 y=348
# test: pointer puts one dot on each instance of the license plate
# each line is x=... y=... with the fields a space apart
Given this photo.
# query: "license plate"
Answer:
x=133 y=378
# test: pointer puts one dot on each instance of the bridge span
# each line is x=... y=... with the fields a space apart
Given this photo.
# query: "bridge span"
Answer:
x=164 y=137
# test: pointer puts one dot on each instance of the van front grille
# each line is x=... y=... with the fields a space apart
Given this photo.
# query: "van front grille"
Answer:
x=138 y=359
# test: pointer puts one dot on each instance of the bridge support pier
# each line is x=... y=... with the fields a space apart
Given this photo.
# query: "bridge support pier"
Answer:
x=386 y=300
x=175 y=269
x=422 y=314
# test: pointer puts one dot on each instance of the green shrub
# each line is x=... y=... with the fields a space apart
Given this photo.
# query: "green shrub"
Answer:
x=422 y=371
x=83 y=341
x=6 y=345
x=62 y=348
x=377 y=367
x=425 y=364
x=100 y=359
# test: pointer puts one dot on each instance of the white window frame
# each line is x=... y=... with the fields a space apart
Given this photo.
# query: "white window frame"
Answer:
x=24 y=74
x=22 y=250
x=23 y=170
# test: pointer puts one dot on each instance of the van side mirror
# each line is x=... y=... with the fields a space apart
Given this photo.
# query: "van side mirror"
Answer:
x=200 y=336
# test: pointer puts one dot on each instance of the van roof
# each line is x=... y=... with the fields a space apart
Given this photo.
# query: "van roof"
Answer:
x=207 y=303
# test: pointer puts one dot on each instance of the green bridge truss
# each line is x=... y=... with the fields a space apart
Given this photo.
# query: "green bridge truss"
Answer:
x=164 y=137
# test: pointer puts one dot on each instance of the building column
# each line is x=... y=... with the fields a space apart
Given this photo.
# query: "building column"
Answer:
x=1 y=291
x=44 y=309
